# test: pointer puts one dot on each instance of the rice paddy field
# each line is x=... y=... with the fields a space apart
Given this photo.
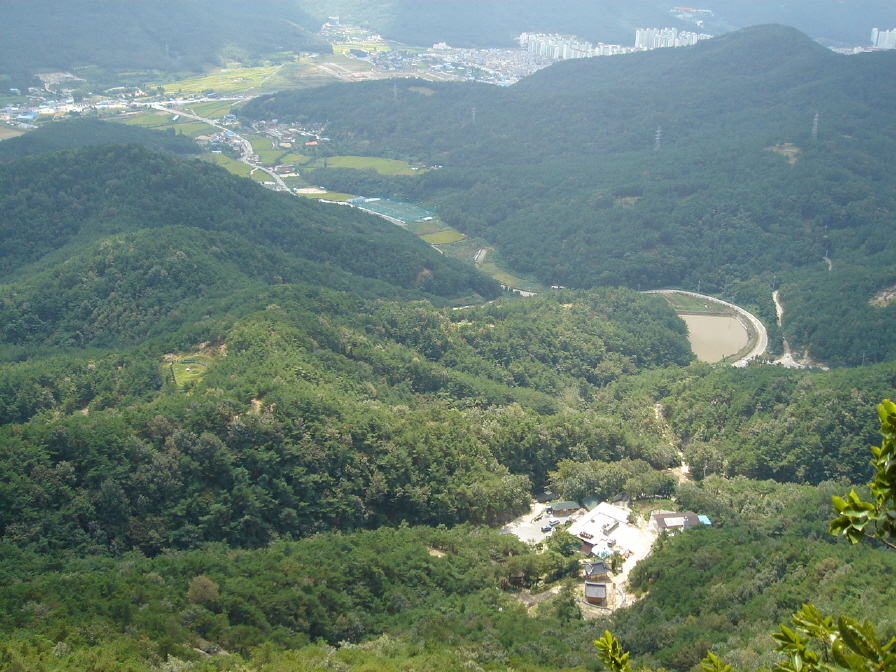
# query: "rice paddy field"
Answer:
x=6 y=132
x=161 y=121
x=330 y=196
x=211 y=110
x=381 y=166
x=226 y=81
x=443 y=237
x=260 y=176
x=231 y=165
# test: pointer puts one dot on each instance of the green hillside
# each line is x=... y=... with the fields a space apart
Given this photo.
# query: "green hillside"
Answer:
x=74 y=133
x=462 y=23
x=56 y=204
x=171 y=36
x=242 y=431
x=563 y=174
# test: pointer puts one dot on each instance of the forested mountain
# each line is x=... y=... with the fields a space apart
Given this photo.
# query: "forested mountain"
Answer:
x=244 y=431
x=686 y=167
x=167 y=35
x=493 y=23
x=56 y=205
x=74 y=133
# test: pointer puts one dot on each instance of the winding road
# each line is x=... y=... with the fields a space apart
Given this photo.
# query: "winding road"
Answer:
x=246 y=149
x=759 y=328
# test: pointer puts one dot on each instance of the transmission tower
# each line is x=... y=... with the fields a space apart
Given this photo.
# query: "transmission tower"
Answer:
x=815 y=127
x=395 y=92
x=659 y=138
x=473 y=115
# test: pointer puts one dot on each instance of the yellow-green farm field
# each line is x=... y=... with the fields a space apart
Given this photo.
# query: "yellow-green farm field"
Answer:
x=260 y=176
x=330 y=196
x=381 y=166
x=211 y=110
x=232 y=166
x=161 y=122
x=505 y=277
x=425 y=228
x=6 y=132
x=224 y=81
x=443 y=237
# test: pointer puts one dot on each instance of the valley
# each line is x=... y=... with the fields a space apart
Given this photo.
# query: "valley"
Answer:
x=421 y=392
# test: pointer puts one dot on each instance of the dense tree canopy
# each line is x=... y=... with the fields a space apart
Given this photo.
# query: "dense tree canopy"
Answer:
x=562 y=174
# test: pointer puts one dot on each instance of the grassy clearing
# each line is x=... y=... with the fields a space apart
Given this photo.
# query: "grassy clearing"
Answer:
x=260 y=176
x=160 y=122
x=6 y=133
x=443 y=237
x=270 y=157
x=501 y=275
x=294 y=182
x=211 y=110
x=693 y=304
x=194 y=128
x=259 y=143
x=381 y=166
x=228 y=81
x=788 y=150
x=294 y=159
x=190 y=367
x=426 y=228
x=330 y=196
x=231 y=165
x=148 y=120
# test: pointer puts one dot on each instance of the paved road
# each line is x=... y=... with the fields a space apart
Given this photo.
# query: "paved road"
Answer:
x=762 y=334
x=246 y=149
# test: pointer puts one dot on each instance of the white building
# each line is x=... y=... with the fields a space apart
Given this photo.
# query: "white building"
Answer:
x=883 y=39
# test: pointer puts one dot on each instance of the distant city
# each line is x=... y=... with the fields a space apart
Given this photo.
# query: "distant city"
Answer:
x=441 y=62
x=883 y=39
x=560 y=48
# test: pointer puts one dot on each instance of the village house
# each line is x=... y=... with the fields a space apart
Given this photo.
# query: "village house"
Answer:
x=673 y=523
x=563 y=508
x=596 y=593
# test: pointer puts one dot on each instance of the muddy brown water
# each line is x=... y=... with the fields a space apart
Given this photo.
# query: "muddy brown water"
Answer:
x=714 y=337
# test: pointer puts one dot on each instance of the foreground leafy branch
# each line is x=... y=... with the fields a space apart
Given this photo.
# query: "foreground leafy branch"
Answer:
x=859 y=519
x=815 y=643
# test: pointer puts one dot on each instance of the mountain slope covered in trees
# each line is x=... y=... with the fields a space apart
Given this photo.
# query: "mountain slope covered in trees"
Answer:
x=172 y=36
x=57 y=204
x=677 y=167
x=75 y=133
x=462 y=23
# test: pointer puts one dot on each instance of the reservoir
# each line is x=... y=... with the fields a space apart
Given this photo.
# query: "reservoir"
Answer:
x=714 y=337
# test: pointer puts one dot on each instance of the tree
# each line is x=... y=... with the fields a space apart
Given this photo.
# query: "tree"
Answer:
x=859 y=519
x=816 y=643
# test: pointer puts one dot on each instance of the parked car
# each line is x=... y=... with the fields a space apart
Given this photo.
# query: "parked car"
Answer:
x=546 y=528
x=554 y=521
